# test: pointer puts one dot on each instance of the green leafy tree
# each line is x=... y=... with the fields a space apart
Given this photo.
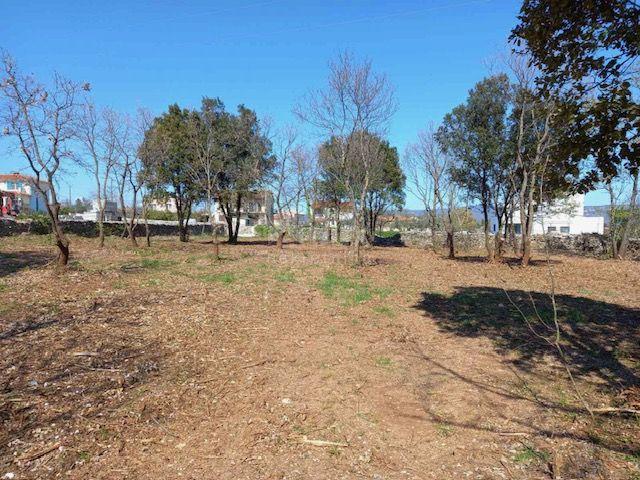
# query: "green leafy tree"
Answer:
x=168 y=158
x=332 y=194
x=587 y=52
x=386 y=189
x=247 y=163
x=476 y=135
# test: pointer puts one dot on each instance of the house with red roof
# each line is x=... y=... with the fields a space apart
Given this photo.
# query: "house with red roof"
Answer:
x=18 y=194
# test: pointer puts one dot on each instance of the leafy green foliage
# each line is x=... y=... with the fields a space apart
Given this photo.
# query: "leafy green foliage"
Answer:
x=263 y=231
x=224 y=277
x=476 y=134
x=40 y=222
x=585 y=51
x=161 y=215
x=528 y=454
x=348 y=291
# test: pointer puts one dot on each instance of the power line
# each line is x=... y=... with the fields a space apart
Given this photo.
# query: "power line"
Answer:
x=352 y=21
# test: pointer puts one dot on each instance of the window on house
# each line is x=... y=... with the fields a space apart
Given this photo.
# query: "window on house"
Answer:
x=518 y=228
x=551 y=229
x=564 y=229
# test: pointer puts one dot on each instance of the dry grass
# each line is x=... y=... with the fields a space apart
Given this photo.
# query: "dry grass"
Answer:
x=163 y=363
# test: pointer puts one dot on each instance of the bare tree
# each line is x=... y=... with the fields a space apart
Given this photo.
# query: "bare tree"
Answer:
x=429 y=171
x=206 y=130
x=306 y=173
x=356 y=105
x=127 y=134
x=534 y=116
x=283 y=182
x=623 y=212
x=94 y=132
x=43 y=121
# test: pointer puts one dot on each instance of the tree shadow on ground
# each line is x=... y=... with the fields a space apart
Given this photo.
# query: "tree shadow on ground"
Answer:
x=589 y=435
x=600 y=339
x=12 y=262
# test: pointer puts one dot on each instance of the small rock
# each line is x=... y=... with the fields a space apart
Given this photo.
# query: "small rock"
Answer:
x=287 y=401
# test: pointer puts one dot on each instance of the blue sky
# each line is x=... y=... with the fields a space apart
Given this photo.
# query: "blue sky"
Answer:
x=265 y=54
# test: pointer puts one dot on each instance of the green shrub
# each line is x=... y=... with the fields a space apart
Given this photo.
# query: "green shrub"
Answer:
x=263 y=230
x=40 y=222
x=161 y=215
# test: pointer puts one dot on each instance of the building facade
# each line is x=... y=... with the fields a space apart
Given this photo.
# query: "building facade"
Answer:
x=564 y=216
x=18 y=194
x=256 y=209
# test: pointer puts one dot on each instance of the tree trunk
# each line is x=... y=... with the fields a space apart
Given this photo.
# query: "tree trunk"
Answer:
x=234 y=236
x=63 y=255
x=280 y=240
x=101 y=225
x=450 y=245
x=182 y=230
x=487 y=235
x=630 y=224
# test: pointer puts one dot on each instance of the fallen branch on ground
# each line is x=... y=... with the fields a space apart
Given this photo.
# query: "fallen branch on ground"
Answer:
x=41 y=453
x=323 y=443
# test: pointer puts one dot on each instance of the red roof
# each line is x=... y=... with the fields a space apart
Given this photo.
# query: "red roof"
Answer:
x=12 y=177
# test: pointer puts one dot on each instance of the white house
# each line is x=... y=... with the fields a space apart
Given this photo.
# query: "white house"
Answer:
x=325 y=212
x=18 y=194
x=110 y=211
x=563 y=217
x=256 y=209
x=165 y=204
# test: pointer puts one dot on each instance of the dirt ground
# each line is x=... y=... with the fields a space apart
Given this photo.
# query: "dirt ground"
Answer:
x=164 y=363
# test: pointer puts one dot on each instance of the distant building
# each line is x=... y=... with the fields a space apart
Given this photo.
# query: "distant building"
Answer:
x=18 y=194
x=325 y=212
x=164 y=204
x=110 y=211
x=564 y=216
x=256 y=209
x=290 y=218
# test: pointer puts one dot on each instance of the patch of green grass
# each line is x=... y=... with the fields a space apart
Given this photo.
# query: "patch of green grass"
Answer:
x=385 y=311
x=154 y=263
x=348 y=291
x=528 y=454
x=84 y=456
x=3 y=287
x=225 y=277
x=384 y=362
x=444 y=430
x=633 y=458
x=147 y=264
x=285 y=277
x=152 y=282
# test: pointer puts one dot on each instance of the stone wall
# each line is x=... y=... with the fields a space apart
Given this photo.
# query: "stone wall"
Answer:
x=90 y=229
x=592 y=245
